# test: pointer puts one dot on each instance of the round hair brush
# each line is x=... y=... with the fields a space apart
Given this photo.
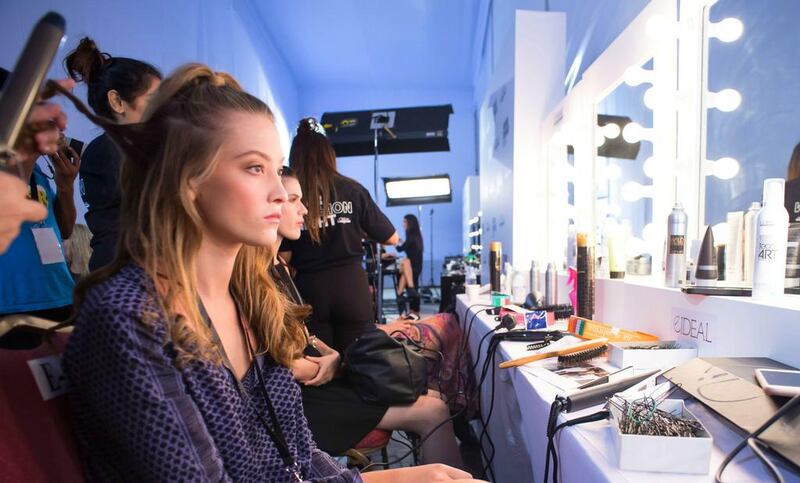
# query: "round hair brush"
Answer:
x=577 y=357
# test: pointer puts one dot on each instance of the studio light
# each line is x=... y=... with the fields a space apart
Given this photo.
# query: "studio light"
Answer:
x=634 y=132
x=418 y=191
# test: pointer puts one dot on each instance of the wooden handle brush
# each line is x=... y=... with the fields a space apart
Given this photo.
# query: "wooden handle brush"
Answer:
x=582 y=346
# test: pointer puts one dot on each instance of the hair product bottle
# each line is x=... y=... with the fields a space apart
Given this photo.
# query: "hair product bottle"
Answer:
x=550 y=285
x=793 y=256
x=748 y=253
x=675 y=270
x=495 y=264
x=772 y=231
x=733 y=249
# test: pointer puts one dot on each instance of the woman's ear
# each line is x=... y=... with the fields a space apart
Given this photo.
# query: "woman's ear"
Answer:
x=116 y=103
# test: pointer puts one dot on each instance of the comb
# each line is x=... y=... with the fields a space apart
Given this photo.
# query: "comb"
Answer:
x=581 y=356
x=581 y=346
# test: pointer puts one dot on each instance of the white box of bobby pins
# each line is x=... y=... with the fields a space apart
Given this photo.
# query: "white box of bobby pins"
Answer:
x=651 y=355
x=664 y=454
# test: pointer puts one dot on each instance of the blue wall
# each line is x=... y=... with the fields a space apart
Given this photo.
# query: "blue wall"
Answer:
x=167 y=34
x=459 y=162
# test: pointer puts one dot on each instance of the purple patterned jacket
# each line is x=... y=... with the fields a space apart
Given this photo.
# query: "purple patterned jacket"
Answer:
x=138 y=417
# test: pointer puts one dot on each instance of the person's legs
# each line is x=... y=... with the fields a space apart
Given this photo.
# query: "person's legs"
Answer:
x=420 y=418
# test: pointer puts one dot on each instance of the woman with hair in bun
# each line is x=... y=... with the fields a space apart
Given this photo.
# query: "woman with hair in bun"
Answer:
x=178 y=361
x=118 y=89
x=327 y=257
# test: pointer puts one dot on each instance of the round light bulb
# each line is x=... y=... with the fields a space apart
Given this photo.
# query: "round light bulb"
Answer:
x=650 y=98
x=726 y=100
x=633 y=132
x=650 y=167
x=725 y=168
x=599 y=139
x=610 y=130
x=635 y=75
x=727 y=30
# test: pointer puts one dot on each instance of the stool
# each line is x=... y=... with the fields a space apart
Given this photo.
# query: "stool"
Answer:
x=375 y=440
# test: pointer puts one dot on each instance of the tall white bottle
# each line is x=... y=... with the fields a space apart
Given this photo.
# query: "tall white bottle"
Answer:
x=772 y=232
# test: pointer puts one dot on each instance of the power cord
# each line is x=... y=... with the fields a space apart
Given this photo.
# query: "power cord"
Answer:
x=553 y=428
x=753 y=442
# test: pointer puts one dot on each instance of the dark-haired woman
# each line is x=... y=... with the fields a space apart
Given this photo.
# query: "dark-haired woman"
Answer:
x=119 y=89
x=327 y=257
x=411 y=267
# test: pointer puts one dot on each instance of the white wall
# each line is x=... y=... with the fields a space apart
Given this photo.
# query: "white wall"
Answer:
x=220 y=33
x=459 y=162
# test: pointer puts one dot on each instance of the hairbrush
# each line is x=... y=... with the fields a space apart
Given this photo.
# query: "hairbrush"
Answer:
x=581 y=346
x=584 y=355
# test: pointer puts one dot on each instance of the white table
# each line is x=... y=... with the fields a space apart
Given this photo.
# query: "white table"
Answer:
x=586 y=452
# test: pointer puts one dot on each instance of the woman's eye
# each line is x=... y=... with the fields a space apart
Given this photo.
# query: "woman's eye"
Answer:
x=256 y=169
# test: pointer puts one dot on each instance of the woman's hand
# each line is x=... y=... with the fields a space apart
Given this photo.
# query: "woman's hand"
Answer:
x=328 y=365
x=15 y=208
x=402 y=325
x=66 y=164
x=414 y=474
x=304 y=370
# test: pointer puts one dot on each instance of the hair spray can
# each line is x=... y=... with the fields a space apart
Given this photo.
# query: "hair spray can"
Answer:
x=749 y=240
x=550 y=285
x=534 y=281
x=677 y=222
x=495 y=265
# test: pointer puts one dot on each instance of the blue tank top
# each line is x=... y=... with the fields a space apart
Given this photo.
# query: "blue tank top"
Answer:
x=25 y=284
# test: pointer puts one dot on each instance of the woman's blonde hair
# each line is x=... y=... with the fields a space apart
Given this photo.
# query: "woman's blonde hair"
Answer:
x=173 y=149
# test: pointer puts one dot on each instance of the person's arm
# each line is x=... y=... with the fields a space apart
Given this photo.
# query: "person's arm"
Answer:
x=376 y=225
x=66 y=163
x=15 y=208
x=304 y=370
x=392 y=240
x=135 y=394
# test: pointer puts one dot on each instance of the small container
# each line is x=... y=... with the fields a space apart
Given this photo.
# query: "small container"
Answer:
x=495 y=264
x=665 y=454
x=550 y=285
x=707 y=271
x=793 y=256
x=624 y=354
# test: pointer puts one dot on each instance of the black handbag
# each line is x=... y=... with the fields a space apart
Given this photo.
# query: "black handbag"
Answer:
x=384 y=370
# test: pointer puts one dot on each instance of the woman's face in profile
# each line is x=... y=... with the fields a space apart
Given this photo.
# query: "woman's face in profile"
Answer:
x=241 y=201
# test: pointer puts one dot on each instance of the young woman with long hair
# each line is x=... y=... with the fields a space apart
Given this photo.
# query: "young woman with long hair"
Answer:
x=178 y=359
x=337 y=416
x=328 y=255
x=118 y=89
x=411 y=266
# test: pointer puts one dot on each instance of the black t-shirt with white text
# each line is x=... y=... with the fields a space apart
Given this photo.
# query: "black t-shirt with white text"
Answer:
x=352 y=216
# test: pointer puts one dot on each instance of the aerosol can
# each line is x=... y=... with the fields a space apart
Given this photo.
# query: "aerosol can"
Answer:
x=675 y=269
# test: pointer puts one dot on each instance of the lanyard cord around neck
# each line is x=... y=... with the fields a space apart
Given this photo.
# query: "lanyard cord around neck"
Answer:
x=274 y=431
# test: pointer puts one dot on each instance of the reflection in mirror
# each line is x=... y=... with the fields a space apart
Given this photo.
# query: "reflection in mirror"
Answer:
x=624 y=166
x=753 y=103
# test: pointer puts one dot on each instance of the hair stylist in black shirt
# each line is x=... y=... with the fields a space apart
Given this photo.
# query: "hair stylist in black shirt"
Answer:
x=327 y=257
x=119 y=89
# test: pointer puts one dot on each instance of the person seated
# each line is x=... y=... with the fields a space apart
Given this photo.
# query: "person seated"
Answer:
x=337 y=416
x=178 y=358
x=34 y=277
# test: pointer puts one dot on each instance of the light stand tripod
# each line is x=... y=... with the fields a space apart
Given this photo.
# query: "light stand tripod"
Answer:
x=380 y=120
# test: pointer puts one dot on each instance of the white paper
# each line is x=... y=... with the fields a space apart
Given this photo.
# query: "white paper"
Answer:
x=47 y=245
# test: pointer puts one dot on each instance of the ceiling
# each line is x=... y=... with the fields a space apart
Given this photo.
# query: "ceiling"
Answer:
x=369 y=43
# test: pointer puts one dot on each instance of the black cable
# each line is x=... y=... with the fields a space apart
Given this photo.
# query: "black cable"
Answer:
x=754 y=444
x=553 y=428
x=754 y=435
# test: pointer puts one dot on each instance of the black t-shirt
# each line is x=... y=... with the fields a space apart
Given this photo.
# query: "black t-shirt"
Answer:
x=792 y=199
x=352 y=216
x=413 y=248
x=100 y=190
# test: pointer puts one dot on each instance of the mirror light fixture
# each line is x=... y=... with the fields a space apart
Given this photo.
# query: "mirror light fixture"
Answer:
x=726 y=100
x=726 y=30
x=633 y=191
x=653 y=168
x=723 y=168
x=634 y=132
x=635 y=75
x=418 y=191
x=610 y=130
